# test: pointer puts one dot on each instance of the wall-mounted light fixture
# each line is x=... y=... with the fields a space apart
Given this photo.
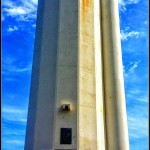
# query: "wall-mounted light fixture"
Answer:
x=65 y=107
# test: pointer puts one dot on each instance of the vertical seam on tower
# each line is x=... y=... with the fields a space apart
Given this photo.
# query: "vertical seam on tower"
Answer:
x=57 y=67
x=38 y=70
x=78 y=73
x=103 y=83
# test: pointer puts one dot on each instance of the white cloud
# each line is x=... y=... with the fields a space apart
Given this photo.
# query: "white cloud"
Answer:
x=35 y=1
x=138 y=126
x=8 y=73
x=34 y=25
x=15 y=11
x=132 y=1
x=15 y=69
x=8 y=109
x=123 y=3
x=127 y=28
x=142 y=99
x=131 y=67
x=12 y=131
x=139 y=97
x=14 y=114
x=133 y=34
x=137 y=94
x=146 y=22
x=23 y=11
x=10 y=29
x=16 y=142
x=138 y=121
x=134 y=74
x=11 y=66
x=7 y=3
x=134 y=66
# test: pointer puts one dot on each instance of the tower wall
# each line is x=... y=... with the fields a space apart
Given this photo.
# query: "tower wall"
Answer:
x=115 y=106
x=40 y=123
x=67 y=64
x=90 y=103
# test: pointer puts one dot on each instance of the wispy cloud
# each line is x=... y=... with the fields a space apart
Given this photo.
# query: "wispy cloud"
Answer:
x=11 y=131
x=23 y=11
x=12 y=143
x=137 y=94
x=131 y=67
x=123 y=3
x=14 y=114
x=146 y=22
x=129 y=1
x=142 y=99
x=34 y=25
x=137 y=100
x=134 y=74
x=16 y=11
x=132 y=34
x=16 y=142
x=11 y=29
x=11 y=66
x=138 y=121
x=16 y=69
x=138 y=126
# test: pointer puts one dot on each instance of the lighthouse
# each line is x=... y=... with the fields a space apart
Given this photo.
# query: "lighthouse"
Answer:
x=77 y=99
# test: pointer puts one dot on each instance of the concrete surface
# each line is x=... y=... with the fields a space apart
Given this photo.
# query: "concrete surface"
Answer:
x=77 y=61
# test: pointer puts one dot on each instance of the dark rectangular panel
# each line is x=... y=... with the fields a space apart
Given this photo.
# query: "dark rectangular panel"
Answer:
x=65 y=136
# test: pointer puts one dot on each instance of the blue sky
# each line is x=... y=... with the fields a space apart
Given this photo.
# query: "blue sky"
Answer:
x=18 y=28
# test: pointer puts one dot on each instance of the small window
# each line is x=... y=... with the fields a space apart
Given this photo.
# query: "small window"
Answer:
x=65 y=136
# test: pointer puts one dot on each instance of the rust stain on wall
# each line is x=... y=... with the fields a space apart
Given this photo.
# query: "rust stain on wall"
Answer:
x=84 y=6
x=86 y=2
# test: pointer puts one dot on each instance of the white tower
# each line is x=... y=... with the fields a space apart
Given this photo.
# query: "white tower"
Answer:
x=77 y=99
